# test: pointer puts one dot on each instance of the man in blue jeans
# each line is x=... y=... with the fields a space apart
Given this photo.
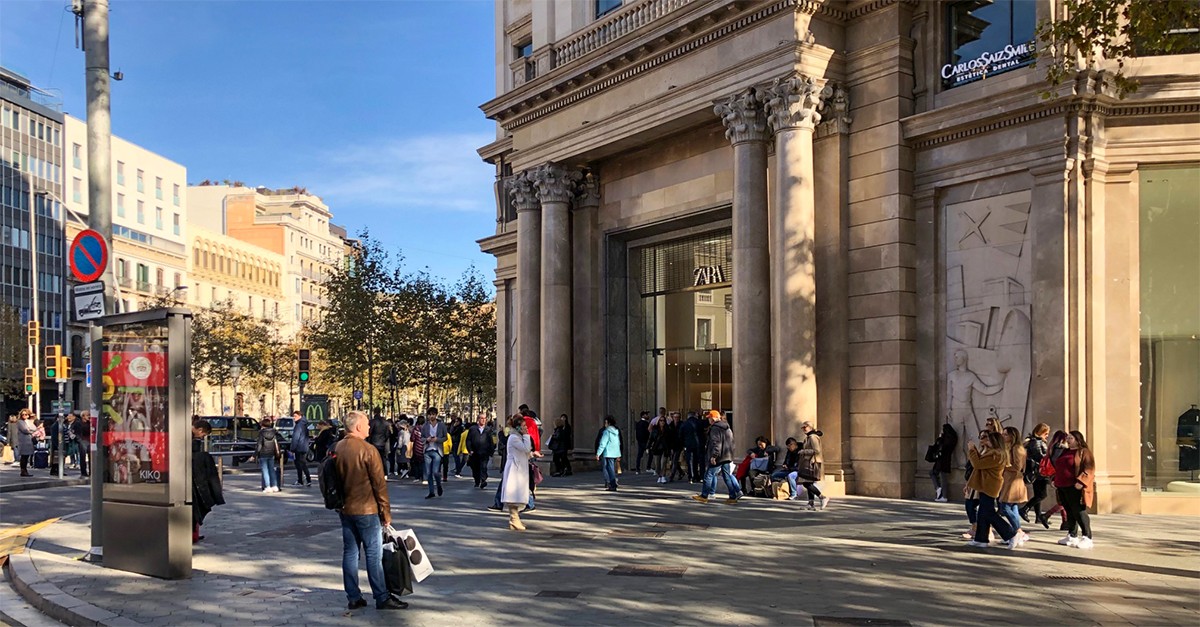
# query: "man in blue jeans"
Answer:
x=720 y=455
x=365 y=511
x=433 y=433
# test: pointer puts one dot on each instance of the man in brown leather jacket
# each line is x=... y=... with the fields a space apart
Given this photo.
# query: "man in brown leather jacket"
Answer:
x=365 y=511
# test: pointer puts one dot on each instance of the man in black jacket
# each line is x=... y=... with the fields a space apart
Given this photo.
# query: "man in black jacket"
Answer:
x=379 y=435
x=720 y=456
x=641 y=432
x=479 y=449
x=692 y=433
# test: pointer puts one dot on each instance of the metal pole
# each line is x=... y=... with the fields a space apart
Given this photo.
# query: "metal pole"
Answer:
x=62 y=440
x=99 y=133
x=35 y=404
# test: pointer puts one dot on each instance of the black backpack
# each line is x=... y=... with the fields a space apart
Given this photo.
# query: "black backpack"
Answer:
x=331 y=483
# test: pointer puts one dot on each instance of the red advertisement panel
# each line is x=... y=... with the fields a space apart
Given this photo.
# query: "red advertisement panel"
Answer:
x=135 y=408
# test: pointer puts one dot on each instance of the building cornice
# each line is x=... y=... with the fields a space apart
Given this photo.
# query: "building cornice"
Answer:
x=613 y=65
x=499 y=244
x=1088 y=95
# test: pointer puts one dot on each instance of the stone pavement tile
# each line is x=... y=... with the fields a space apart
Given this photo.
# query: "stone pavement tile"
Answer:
x=869 y=558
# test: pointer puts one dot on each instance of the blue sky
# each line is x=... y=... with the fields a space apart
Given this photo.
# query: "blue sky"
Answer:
x=372 y=105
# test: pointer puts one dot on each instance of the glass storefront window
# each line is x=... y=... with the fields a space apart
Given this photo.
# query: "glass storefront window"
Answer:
x=1169 y=230
x=988 y=37
x=688 y=322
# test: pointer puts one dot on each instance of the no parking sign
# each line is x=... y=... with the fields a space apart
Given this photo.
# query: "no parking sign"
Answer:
x=88 y=256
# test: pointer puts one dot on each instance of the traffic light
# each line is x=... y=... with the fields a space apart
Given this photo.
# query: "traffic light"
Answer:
x=34 y=332
x=305 y=362
x=66 y=368
x=53 y=361
x=31 y=381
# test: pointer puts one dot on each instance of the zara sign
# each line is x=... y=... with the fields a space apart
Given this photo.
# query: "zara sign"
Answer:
x=708 y=275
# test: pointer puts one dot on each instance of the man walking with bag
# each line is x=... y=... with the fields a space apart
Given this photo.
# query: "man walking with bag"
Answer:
x=720 y=453
x=365 y=511
x=299 y=449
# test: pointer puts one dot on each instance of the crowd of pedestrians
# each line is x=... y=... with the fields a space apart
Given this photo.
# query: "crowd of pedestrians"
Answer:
x=36 y=444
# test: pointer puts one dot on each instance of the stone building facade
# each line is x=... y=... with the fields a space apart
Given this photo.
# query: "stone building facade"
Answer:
x=863 y=213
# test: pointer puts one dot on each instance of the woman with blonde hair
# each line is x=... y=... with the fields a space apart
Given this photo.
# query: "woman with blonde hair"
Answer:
x=989 y=458
x=1012 y=491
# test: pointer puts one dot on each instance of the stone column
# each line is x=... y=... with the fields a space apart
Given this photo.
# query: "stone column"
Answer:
x=555 y=187
x=792 y=105
x=746 y=128
x=529 y=286
x=586 y=311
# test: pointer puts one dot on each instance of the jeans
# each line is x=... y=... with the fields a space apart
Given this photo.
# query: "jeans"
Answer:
x=367 y=531
x=989 y=517
x=972 y=506
x=1010 y=513
x=479 y=464
x=1039 y=492
x=446 y=465
x=460 y=460
x=84 y=457
x=302 y=474
x=939 y=482
x=695 y=464
x=433 y=463
x=791 y=479
x=609 y=466
x=270 y=471
x=641 y=448
x=417 y=466
x=1077 y=515
x=710 y=482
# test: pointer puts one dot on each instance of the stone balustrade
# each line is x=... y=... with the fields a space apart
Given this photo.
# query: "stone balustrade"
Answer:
x=613 y=27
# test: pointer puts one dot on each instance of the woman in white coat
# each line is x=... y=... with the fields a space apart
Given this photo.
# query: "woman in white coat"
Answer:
x=515 y=489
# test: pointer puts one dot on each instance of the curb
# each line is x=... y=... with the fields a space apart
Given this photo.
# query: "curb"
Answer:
x=45 y=483
x=51 y=600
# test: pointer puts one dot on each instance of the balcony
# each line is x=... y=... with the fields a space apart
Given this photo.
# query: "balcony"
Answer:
x=125 y=282
x=613 y=27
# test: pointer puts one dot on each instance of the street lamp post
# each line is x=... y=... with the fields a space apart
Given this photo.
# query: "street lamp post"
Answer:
x=235 y=371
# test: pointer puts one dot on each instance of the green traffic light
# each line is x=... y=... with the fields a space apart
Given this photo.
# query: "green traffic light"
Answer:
x=304 y=376
x=51 y=373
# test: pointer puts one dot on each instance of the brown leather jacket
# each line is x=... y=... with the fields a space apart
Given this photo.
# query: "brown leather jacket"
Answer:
x=363 y=480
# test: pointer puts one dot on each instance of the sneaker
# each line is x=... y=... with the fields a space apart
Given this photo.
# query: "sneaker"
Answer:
x=354 y=605
x=391 y=604
x=1022 y=537
x=977 y=545
x=1069 y=541
x=266 y=490
x=824 y=503
x=811 y=507
x=1084 y=543
x=941 y=499
x=732 y=501
x=483 y=486
x=937 y=495
x=458 y=476
x=298 y=484
x=430 y=495
x=495 y=508
x=699 y=499
x=1012 y=543
x=439 y=490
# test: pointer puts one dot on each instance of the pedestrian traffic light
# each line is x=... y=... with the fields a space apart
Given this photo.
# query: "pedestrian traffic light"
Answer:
x=31 y=381
x=53 y=361
x=305 y=362
x=35 y=333
x=65 y=371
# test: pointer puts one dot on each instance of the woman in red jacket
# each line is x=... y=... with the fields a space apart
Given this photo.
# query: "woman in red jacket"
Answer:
x=1074 y=472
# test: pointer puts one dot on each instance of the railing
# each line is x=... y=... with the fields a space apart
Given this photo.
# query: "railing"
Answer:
x=144 y=286
x=614 y=27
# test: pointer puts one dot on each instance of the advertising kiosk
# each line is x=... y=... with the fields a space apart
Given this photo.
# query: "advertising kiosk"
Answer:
x=146 y=433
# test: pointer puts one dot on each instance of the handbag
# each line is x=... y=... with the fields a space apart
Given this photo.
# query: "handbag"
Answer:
x=1046 y=467
x=933 y=453
x=536 y=473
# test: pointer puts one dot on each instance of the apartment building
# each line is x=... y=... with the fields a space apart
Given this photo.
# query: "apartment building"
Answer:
x=861 y=213
x=31 y=223
x=290 y=223
x=149 y=215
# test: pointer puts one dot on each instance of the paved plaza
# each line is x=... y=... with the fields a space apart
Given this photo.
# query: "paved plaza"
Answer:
x=274 y=559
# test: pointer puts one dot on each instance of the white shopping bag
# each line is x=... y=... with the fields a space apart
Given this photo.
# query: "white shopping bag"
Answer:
x=407 y=538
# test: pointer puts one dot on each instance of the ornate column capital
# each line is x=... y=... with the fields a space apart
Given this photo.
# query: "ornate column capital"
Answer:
x=835 y=110
x=793 y=102
x=587 y=192
x=521 y=191
x=743 y=116
x=554 y=183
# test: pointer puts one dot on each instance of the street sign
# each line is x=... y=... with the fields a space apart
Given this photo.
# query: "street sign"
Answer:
x=62 y=407
x=87 y=377
x=358 y=395
x=88 y=256
x=88 y=299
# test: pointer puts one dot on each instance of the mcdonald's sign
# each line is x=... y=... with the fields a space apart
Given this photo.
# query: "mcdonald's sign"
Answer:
x=315 y=408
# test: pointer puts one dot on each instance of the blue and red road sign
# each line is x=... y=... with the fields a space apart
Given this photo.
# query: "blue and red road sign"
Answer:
x=88 y=255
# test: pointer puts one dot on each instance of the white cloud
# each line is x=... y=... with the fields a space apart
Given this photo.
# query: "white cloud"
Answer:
x=430 y=172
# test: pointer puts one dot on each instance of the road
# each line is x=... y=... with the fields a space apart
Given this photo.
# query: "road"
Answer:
x=18 y=509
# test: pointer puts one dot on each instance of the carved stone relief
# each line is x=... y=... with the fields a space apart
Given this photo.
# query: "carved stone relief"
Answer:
x=988 y=333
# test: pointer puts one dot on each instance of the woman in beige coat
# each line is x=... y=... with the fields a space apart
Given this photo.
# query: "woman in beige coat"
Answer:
x=1013 y=491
